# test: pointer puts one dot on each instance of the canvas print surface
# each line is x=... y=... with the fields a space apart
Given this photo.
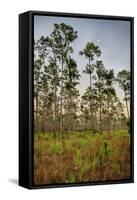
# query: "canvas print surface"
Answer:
x=82 y=99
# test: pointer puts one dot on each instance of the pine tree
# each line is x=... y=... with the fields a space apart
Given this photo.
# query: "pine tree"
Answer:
x=63 y=35
x=110 y=93
x=89 y=52
x=71 y=80
x=99 y=85
x=123 y=79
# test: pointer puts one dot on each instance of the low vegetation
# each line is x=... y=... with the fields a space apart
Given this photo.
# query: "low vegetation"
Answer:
x=81 y=157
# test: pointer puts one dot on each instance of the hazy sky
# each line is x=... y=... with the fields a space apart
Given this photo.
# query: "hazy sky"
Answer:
x=112 y=36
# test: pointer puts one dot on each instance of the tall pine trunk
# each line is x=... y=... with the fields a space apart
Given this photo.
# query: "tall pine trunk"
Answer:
x=100 y=116
x=91 y=113
x=55 y=94
x=43 y=120
x=37 y=120
x=100 y=111
x=55 y=107
x=127 y=105
x=108 y=121
x=61 y=110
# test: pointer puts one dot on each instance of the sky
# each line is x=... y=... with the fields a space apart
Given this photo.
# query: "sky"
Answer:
x=112 y=37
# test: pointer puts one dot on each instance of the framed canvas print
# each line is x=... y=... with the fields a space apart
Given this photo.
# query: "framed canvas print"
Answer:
x=76 y=99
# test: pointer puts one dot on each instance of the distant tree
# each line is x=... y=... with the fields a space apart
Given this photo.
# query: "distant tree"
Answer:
x=123 y=79
x=117 y=114
x=86 y=111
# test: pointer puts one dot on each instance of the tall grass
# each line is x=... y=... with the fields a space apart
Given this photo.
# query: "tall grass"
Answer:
x=81 y=157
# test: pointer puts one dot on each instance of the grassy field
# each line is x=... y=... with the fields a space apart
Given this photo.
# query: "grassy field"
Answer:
x=81 y=157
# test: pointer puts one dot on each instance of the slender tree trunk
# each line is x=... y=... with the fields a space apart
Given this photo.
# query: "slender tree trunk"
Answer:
x=100 y=115
x=70 y=114
x=43 y=124
x=55 y=107
x=108 y=121
x=37 y=121
x=55 y=96
x=61 y=110
x=100 y=111
x=127 y=106
x=91 y=105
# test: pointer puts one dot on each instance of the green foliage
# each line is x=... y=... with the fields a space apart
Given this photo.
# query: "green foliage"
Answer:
x=55 y=148
x=90 y=51
x=123 y=79
x=82 y=142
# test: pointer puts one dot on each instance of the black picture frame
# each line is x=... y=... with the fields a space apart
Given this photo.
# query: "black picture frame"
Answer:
x=26 y=41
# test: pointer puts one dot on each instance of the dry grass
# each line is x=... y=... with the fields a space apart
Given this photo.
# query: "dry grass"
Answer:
x=81 y=157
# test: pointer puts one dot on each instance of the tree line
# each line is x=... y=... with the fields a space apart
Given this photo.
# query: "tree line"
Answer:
x=58 y=105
